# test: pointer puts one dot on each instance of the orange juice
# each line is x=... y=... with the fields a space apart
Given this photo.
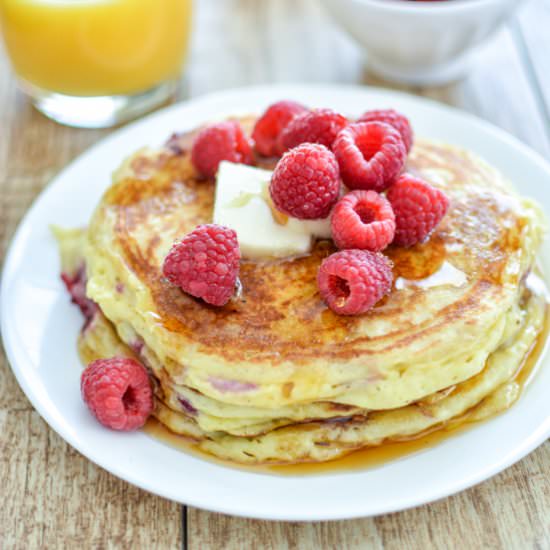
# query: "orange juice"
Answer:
x=96 y=47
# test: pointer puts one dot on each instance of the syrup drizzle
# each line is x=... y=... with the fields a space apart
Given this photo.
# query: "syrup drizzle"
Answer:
x=447 y=274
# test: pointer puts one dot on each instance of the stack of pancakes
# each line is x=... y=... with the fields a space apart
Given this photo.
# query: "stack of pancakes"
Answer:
x=275 y=376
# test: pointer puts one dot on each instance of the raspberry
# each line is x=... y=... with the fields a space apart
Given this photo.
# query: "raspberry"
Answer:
x=205 y=263
x=317 y=126
x=269 y=126
x=370 y=154
x=363 y=219
x=222 y=141
x=118 y=392
x=418 y=208
x=306 y=182
x=393 y=118
x=352 y=281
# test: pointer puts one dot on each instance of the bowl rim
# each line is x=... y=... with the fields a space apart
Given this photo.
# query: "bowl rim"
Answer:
x=433 y=7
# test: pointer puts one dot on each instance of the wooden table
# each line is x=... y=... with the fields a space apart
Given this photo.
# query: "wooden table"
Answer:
x=55 y=498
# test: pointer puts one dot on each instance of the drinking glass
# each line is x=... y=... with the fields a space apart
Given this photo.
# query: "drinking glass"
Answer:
x=96 y=63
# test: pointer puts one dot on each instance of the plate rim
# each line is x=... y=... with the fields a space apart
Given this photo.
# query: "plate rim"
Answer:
x=9 y=265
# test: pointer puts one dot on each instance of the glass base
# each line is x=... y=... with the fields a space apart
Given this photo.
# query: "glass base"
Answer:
x=98 y=111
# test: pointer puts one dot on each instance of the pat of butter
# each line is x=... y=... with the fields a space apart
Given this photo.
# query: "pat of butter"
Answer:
x=241 y=205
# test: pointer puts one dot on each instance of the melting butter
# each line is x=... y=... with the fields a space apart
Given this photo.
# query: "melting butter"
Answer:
x=241 y=204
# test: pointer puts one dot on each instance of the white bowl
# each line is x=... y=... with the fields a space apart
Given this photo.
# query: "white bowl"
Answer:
x=420 y=42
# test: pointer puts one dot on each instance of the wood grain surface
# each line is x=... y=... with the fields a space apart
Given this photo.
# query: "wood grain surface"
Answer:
x=55 y=498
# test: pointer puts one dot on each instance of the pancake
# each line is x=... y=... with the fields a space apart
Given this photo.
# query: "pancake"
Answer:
x=275 y=376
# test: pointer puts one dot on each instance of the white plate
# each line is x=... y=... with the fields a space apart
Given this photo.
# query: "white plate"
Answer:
x=40 y=328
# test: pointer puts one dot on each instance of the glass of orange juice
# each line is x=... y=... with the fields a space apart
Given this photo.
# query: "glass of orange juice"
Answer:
x=96 y=63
